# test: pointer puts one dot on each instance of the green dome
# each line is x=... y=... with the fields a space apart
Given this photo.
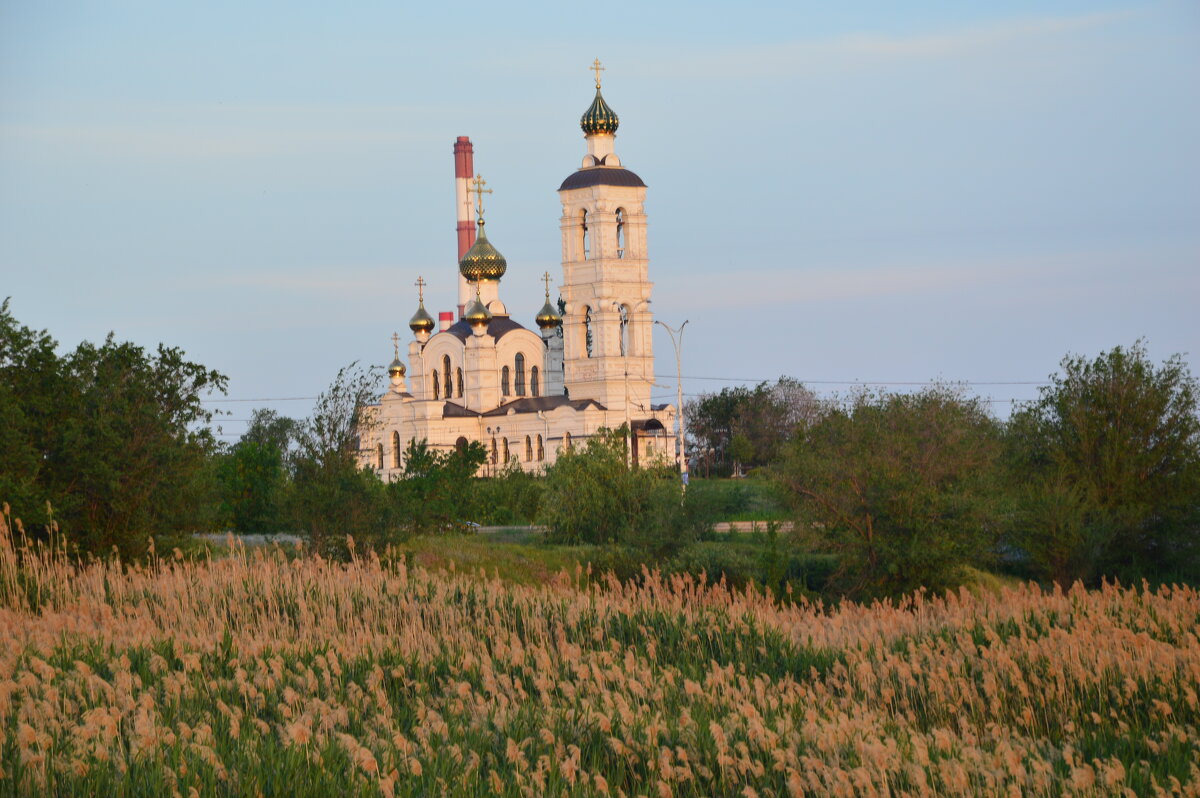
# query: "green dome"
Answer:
x=599 y=118
x=421 y=321
x=548 y=317
x=477 y=314
x=482 y=261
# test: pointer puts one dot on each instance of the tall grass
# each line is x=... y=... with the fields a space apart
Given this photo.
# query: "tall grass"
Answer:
x=259 y=674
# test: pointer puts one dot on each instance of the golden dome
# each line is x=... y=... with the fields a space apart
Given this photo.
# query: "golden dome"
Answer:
x=396 y=369
x=477 y=315
x=482 y=261
x=599 y=118
x=548 y=317
x=421 y=320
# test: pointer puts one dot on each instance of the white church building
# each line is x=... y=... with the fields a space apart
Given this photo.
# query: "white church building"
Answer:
x=526 y=395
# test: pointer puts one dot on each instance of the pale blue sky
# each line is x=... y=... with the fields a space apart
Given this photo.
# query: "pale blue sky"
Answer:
x=871 y=191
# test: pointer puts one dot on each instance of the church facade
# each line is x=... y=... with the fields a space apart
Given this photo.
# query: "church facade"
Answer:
x=526 y=395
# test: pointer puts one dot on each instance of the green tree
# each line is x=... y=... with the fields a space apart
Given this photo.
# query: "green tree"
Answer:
x=115 y=438
x=591 y=496
x=1108 y=460
x=747 y=426
x=255 y=474
x=899 y=486
x=433 y=492
x=333 y=497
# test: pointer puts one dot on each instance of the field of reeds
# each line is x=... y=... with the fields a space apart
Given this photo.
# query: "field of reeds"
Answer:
x=260 y=674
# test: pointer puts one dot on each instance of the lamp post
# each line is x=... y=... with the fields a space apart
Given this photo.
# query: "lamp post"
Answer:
x=625 y=357
x=681 y=453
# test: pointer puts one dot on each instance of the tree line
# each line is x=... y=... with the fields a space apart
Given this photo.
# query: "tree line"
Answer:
x=111 y=445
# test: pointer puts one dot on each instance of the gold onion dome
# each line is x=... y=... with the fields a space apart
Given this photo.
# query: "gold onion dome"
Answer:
x=396 y=369
x=599 y=118
x=482 y=261
x=548 y=317
x=477 y=314
x=421 y=320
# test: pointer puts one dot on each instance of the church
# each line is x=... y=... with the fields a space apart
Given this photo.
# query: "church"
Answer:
x=526 y=395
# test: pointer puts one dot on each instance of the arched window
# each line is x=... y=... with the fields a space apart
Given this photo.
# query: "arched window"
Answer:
x=567 y=441
x=460 y=445
x=583 y=232
x=494 y=451
x=505 y=442
x=587 y=331
x=446 y=371
x=624 y=330
x=533 y=381
x=395 y=450
x=541 y=449
x=519 y=368
x=458 y=373
x=436 y=385
x=620 y=232
x=379 y=456
x=504 y=381
x=528 y=448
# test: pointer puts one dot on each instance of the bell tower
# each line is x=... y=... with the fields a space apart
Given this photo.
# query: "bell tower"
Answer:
x=607 y=327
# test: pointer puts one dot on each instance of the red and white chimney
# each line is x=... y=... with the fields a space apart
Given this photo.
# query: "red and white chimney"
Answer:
x=446 y=319
x=464 y=169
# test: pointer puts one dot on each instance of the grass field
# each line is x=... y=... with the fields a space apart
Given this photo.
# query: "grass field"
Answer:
x=257 y=673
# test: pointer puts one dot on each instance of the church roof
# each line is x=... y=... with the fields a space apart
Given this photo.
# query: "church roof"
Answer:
x=532 y=404
x=498 y=327
x=601 y=176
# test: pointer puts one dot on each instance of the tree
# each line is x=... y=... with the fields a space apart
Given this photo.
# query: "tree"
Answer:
x=333 y=497
x=591 y=496
x=255 y=474
x=899 y=486
x=434 y=488
x=1109 y=460
x=746 y=426
x=114 y=438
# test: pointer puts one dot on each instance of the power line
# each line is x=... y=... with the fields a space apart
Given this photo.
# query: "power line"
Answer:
x=864 y=382
x=267 y=399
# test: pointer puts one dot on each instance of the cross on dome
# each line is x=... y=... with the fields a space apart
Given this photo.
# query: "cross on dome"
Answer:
x=595 y=67
x=396 y=344
x=477 y=188
x=420 y=284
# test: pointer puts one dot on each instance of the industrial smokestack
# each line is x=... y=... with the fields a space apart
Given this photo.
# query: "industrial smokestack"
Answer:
x=464 y=168
x=446 y=319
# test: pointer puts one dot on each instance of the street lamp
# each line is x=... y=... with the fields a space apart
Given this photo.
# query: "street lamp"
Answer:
x=681 y=454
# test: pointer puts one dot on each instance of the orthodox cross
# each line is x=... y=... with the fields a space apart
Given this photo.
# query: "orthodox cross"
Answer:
x=546 y=280
x=479 y=191
x=420 y=284
x=396 y=344
x=595 y=67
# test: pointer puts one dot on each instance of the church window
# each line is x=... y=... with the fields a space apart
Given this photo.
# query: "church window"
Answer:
x=395 y=450
x=620 y=232
x=379 y=456
x=567 y=441
x=448 y=375
x=587 y=331
x=460 y=445
x=519 y=378
x=505 y=442
x=528 y=448
x=494 y=451
x=624 y=310
x=583 y=235
x=541 y=449
x=533 y=381
x=436 y=384
x=458 y=374
x=504 y=380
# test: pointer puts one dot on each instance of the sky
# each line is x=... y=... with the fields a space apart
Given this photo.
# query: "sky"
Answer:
x=838 y=192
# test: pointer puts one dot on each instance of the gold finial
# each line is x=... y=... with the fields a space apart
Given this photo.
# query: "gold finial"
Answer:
x=478 y=189
x=420 y=284
x=595 y=67
x=546 y=280
x=396 y=344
